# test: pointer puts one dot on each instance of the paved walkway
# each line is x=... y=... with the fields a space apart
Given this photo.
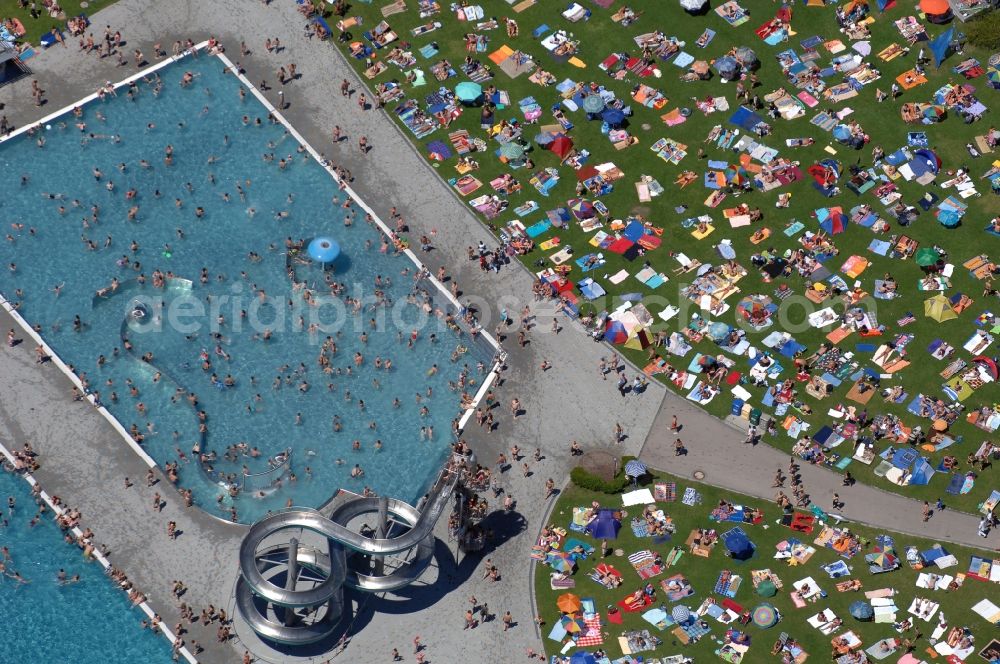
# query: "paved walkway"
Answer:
x=716 y=448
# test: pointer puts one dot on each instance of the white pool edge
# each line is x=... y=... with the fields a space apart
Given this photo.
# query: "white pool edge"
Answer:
x=57 y=511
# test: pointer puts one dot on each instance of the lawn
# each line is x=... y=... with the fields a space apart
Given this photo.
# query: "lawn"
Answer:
x=36 y=27
x=703 y=574
x=802 y=413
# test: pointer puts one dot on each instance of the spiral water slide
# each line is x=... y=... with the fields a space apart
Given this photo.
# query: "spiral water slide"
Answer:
x=257 y=588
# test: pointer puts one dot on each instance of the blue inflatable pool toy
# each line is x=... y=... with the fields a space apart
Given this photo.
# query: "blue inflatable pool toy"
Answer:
x=324 y=250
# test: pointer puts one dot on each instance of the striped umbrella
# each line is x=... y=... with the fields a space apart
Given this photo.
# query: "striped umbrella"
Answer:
x=635 y=468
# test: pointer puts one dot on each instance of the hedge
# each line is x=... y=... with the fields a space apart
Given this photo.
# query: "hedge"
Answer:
x=587 y=480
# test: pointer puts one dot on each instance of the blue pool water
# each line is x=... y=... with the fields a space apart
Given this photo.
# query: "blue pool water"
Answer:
x=47 y=623
x=218 y=146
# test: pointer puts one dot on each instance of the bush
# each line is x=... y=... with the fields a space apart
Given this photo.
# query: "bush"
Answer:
x=984 y=31
x=587 y=480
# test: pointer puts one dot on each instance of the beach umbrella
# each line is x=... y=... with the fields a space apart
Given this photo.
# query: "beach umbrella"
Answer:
x=939 y=308
x=323 y=250
x=993 y=77
x=727 y=67
x=949 y=218
x=862 y=610
x=635 y=468
x=593 y=104
x=718 y=331
x=511 y=151
x=700 y=67
x=746 y=56
x=765 y=616
x=927 y=256
x=560 y=561
x=582 y=657
x=568 y=603
x=842 y=133
x=467 y=91
x=935 y=113
x=573 y=625
x=766 y=589
x=544 y=139
x=681 y=614
x=613 y=117
x=582 y=209
x=693 y=5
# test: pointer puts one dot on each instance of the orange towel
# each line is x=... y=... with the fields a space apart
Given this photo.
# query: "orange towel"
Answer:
x=915 y=79
x=501 y=54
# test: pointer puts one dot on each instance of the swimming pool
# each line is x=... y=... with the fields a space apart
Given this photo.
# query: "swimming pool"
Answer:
x=48 y=623
x=215 y=223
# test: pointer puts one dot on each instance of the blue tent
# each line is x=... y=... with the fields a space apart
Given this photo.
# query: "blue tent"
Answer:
x=605 y=526
x=904 y=458
x=939 y=47
x=922 y=472
x=727 y=67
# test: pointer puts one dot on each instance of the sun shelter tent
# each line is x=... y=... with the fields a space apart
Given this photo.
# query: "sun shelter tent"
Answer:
x=937 y=11
x=939 y=308
x=923 y=471
x=606 y=525
x=562 y=146
x=738 y=545
x=615 y=332
x=852 y=12
x=836 y=222
x=639 y=339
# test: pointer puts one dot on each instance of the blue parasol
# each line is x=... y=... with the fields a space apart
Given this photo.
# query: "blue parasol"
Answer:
x=324 y=250
x=613 y=117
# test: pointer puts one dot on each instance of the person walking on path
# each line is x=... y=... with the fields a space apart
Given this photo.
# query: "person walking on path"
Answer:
x=619 y=433
x=508 y=621
x=751 y=434
x=927 y=511
x=674 y=425
x=779 y=479
x=470 y=620
x=622 y=385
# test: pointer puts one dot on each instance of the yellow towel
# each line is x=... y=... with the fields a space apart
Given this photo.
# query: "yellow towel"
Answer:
x=577 y=62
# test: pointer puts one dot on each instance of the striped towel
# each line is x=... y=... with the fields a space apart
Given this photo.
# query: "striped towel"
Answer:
x=671 y=494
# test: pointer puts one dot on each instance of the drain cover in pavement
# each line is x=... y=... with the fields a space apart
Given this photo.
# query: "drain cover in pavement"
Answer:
x=698 y=474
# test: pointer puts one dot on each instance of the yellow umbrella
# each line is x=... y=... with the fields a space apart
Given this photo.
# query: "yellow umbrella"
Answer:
x=568 y=603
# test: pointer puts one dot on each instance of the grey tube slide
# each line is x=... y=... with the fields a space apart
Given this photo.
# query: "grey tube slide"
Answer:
x=314 y=521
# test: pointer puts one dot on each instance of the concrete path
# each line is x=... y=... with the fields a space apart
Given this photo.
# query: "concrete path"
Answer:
x=717 y=449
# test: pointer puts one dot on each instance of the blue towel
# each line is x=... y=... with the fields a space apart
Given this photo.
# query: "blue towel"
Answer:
x=540 y=30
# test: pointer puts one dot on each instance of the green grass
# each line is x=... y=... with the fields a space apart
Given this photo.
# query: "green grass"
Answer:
x=702 y=573
x=36 y=27
x=599 y=37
